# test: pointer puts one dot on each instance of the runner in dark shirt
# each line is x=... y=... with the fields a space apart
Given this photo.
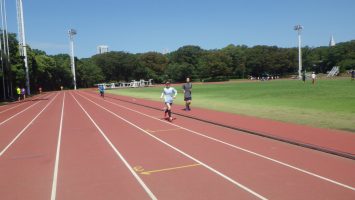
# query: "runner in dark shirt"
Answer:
x=187 y=87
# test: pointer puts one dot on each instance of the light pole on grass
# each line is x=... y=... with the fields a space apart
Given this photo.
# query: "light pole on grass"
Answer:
x=299 y=28
x=71 y=33
x=22 y=42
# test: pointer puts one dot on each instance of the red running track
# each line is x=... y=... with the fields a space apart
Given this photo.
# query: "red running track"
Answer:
x=76 y=145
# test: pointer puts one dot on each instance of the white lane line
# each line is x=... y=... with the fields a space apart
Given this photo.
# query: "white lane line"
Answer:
x=11 y=108
x=185 y=154
x=55 y=174
x=130 y=168
x=20 y=104
x=242 y=149
x=24 y=129
x=18 y=113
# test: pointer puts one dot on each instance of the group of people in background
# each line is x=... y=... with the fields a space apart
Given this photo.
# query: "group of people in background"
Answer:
x=21 y=93
x=313 y=76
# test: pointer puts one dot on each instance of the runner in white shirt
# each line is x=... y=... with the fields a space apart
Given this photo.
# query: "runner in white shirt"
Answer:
x=169 y=93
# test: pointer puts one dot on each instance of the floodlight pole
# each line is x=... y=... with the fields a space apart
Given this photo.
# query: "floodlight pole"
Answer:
x=71 y=33
x=299 y=28
x=1 y=52
x=22 y=41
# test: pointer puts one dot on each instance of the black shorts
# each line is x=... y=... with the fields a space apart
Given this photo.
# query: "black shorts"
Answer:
x=187 y=98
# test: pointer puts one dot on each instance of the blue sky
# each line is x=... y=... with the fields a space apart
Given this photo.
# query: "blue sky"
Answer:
x=139 y=26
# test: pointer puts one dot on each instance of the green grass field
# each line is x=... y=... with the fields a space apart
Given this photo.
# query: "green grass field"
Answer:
x=330 y=103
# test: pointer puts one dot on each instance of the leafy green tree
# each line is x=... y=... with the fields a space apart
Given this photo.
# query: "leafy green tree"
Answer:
x=216 y=64
x=88 y=74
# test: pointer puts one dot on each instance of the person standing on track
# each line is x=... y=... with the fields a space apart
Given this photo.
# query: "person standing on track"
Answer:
x=187 y=87
x=169 y=93
x=18 y=91
x=23 y=93
x=102 y=91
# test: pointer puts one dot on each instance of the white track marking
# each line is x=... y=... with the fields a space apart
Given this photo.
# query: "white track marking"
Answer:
x=185 y=154
x=18 y=113
x=55 y=174
x=242 y=149
x=29 y=124
x=11 y=108
x=149 y=192
x=20 y=104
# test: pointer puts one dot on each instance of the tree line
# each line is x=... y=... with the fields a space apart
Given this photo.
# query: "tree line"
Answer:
x=233 y=61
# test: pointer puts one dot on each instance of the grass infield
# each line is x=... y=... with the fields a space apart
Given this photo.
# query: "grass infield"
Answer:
x=330 y=103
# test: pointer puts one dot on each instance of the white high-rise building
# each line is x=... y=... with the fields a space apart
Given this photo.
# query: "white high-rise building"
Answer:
x=102 y=49
x=332 y=41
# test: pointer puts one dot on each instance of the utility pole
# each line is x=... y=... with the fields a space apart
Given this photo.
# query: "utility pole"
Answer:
x=299 y=28
x=71 y=33
x=22 y=42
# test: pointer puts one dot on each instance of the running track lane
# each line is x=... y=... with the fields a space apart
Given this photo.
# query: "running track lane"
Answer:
x=15 y=104
x=297 y=158
x=13 y=124
x=8 y=107
x=143 y=151
x=13 y=111
x=26 y=163
x=275 y=180
x=88 y=167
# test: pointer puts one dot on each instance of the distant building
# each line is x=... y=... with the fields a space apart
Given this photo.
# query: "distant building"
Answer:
x=332 y=41
x=102 y=49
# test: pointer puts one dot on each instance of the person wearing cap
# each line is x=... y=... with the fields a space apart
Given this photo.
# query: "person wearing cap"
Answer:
x=169 y=93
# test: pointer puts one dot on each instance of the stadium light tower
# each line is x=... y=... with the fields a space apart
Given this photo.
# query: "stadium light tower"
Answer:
x=299 y=28
x=22 y=41
x=71 y=33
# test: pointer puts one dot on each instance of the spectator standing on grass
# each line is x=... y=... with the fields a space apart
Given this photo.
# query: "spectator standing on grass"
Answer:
x=187 y=87
x=304 y=76
x=18 y=91
x=313 y=78
x=353 y=75
x=169 y=93
x=23 y=93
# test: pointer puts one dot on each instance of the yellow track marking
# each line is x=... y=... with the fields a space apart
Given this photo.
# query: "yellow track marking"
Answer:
x=163 y=130
x=141 y=170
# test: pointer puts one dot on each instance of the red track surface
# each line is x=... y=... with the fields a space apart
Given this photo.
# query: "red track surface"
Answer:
x=76 y=145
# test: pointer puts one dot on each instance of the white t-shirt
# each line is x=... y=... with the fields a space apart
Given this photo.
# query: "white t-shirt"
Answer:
x=313 y=76
x=169 y=93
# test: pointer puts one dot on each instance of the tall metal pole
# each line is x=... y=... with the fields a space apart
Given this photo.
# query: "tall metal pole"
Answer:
x=8 y=51
x=1 y=56
x=71 y=33
x=3 y=72
x=4 y=47
x=22 y=41
x=299 y=28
